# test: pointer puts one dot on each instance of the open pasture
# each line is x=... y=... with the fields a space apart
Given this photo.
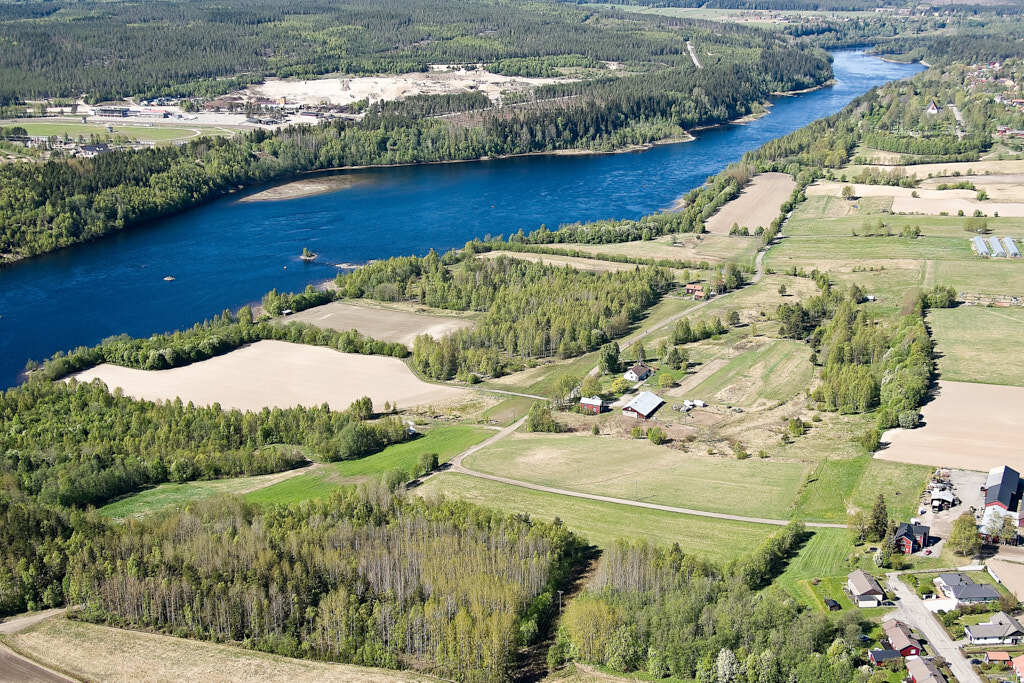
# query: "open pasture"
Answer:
x=603 y=523
x=591 y=265
x=757 y=205
x=90 y=652
x=1000 y=187
x=979 y=344
x=948 y=168
x=637 y=469
x=276 y=374
x=683 y=247
x=966 y=426
x=928 y=201
x=381 y=322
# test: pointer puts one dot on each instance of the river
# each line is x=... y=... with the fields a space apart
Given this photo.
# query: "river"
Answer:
x=230 y=252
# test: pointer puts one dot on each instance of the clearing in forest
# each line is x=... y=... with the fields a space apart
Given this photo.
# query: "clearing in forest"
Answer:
x=380 y=322
x=639 y=470
x=277 y=374
x=966 y=426
x=591 y=265
x=92 y=652
x=757 y=205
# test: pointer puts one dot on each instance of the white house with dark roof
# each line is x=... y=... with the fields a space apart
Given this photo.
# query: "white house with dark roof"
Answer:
x=1001 y=629
x=964 y=590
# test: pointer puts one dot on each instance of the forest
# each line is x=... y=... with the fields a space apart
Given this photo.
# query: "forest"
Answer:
x=364 y=577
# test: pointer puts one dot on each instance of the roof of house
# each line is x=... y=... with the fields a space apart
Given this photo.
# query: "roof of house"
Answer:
x=863 y=583
x=592 y=401
x=1018 y=662
x=645 y=403
x=962 y=587
x=639 y=368
x=1001 y=625
x=829 y=602
x=924 y=670
x=884 y=655
x=998 y=656
x=914 y=530
x=1003 y=487
x=899 y=635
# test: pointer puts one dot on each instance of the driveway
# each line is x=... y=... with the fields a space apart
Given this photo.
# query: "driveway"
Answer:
x=912 y=610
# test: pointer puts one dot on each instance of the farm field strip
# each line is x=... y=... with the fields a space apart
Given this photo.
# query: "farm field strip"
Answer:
x=757 y=205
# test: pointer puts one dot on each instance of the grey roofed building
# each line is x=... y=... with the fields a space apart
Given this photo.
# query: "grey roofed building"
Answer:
x=924 y=671
x=1003 y=488
x=962 y=588
x=645 y=403
x=1001 y=628
x=860 y=583
x=1011 y=247
x=980 y=246
x=900 y=636
x=996 y=246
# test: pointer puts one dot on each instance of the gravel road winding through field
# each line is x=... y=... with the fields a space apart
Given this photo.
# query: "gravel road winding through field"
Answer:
x=14 y=667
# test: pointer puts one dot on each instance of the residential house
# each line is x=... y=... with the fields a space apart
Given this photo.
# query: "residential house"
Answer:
x=696 y=289
x=999 y=657
x=1001 y=629
x=933 y=107
x=964 y=590
x=921 y=670
x=910 y=538
x=592 y=405
x=864 y=589
x=883 y=657
x=901 y=638
x=638 y=372
x=1018 y=666
x=643 y=406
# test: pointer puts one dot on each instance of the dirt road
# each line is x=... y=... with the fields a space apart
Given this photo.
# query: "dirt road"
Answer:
x=913 y=611
x=693 y=55
x=14 y=667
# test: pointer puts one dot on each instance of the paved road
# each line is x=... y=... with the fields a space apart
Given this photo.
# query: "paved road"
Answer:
x=14 y=667
x=912 y=610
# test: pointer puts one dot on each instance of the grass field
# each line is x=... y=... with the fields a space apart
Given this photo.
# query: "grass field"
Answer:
x=447 y=442
x=380 y=321
x=603 y=523
x=837 y=486
x=155 y=133
x=776 y=371
x=637 y=469
x=90 y=652
x=681 y=247
x=975 y=344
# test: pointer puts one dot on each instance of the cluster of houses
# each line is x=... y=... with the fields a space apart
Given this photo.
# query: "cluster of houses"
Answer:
x=902 y=645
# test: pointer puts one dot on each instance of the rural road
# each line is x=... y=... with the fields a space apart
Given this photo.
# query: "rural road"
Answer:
x=14 y=667
x=913 y=611
x=515 y=393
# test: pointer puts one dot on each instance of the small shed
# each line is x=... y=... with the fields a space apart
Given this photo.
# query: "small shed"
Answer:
x=592 y=405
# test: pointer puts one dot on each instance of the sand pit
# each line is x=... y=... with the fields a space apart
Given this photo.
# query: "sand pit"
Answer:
x=346 y=90
x=276 y=374
x=967 y=426
x=386 y=324
x=757 y=206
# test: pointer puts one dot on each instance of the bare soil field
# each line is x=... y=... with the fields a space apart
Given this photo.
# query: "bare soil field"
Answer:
x=948 y=168
x=757 y=206
x=346 y=90
x=276 y=374
x=1010 y=573
x=929 y=201
x=100 y=653
x=592 y=265
x=1001 y=187
x=305 y=187
x=380 y=322
x=966 y=426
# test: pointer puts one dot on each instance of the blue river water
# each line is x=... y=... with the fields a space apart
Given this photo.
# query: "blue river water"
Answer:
x=228 y=253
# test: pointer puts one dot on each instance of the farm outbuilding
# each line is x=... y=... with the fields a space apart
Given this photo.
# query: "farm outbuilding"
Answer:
x=996 y=247
x=1011 y=247
x=592 y=405
x=644 y=405
x=980 y=246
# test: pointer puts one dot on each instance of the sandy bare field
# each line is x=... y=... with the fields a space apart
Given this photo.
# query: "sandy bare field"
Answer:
x=279 y=374
x=757 y=206
x=1001 y=187
x=967 y=426
x=305 y=187
x=948 y=168
x=1010 y=573
x=592 y=265
x=374 y=88
x=100 y=653
x=387 y=324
